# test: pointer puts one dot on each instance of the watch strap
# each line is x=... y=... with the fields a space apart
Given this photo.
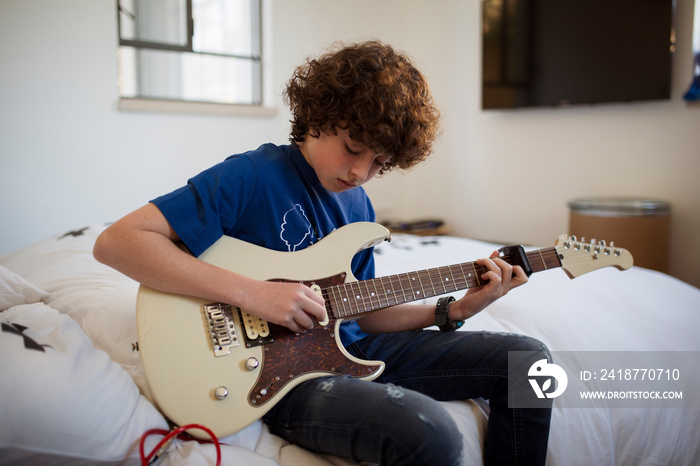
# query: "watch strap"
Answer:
x=442 y=317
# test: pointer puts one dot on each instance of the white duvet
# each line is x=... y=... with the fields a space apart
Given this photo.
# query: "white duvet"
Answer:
x=84 y=398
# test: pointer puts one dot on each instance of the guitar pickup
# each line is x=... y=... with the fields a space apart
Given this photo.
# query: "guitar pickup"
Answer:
x=221 y=327
x=257 y=330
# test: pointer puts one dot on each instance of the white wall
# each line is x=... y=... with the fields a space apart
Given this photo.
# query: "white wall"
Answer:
x=69 y=157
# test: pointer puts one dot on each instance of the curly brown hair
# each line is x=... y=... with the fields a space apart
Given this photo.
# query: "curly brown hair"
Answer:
x=372 y=91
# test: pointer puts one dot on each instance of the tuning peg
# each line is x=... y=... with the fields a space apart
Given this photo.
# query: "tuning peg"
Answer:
x=602 y=242
x=612 y=244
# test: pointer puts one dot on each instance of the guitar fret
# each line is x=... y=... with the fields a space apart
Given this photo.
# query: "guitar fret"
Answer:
x=388 y=292
x=350 y=299
x=360 y=295
x=407 y=285
x=340 y=302
x=382 y=290
x=464 y=281
x=379 y=294
x=428 y=278
x=378 y=291
x=416 y=294
x=367 y=298
x=440 y=282
x=435 y=280
x=476 y=274
x=363 y=296
x=463 y=274
x=357 y=295
x=543 y=259
x=454 y=281
x=347 y=308
x=461 y=281
x=394 y=291
x=554 y=258
x=431 y=280
x=444 y=279
x=422 y=289
x=403 y=291
x=544 y=263
x=346 y=304
x=332 y=301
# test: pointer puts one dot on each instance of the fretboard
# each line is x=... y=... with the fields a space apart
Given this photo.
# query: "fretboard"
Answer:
x=359 y=297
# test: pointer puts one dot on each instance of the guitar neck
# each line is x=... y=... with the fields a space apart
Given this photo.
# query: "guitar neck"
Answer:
x=360 y=297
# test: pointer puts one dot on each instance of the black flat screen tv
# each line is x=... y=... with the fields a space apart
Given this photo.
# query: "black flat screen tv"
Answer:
x=566 y=52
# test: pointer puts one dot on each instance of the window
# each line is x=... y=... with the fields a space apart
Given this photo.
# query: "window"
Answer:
x=190 y=50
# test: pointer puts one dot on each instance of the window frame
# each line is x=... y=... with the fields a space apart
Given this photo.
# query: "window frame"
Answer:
x=193 y=106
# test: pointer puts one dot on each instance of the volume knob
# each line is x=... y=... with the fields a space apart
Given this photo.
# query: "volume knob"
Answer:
x=251 y=364
x=220 y=393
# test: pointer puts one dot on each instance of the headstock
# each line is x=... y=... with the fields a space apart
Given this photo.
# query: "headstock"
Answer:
x=578 y=257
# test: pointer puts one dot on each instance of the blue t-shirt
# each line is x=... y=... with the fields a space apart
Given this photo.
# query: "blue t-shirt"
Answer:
x=270 y=197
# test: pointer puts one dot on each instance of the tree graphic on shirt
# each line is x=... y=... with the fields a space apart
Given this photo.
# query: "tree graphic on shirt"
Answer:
x=295 y=228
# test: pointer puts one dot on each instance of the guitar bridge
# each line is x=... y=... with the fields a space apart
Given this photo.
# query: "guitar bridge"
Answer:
x=222 y=328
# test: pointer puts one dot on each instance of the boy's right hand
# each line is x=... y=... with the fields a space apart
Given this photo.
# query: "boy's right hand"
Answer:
x=292 y=305
x=142 y=245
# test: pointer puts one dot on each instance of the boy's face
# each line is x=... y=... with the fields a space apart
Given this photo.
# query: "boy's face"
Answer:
x=340 y=162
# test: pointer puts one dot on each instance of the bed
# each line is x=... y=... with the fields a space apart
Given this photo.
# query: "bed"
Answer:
x=72 y=388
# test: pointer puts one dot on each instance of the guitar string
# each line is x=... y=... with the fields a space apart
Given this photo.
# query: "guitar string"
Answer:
x=363 y=302
x=383 y=296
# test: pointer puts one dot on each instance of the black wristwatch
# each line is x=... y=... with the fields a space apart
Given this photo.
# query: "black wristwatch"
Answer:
x=442 y=317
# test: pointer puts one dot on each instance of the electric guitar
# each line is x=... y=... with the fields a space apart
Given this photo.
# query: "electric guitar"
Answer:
x=216 y=365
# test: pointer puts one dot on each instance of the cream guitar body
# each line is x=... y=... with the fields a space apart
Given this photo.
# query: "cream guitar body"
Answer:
x=213 y=364
x=192 y=384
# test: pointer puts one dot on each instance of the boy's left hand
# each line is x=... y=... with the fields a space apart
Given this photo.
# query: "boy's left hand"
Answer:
x=502 y=277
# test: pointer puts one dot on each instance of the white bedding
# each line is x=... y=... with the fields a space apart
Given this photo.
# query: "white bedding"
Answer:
x=84 y=400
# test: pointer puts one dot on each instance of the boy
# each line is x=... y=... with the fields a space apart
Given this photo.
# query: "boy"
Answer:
x=357 y=111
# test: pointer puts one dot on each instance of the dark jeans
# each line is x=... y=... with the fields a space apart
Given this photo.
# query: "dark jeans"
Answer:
x=396 y=419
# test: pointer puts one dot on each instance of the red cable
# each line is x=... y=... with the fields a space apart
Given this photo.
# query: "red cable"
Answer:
x=170 y=435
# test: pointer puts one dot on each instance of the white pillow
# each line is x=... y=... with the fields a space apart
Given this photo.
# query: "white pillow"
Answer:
x=61 y=400
x=99 y=298
x=15 y=290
